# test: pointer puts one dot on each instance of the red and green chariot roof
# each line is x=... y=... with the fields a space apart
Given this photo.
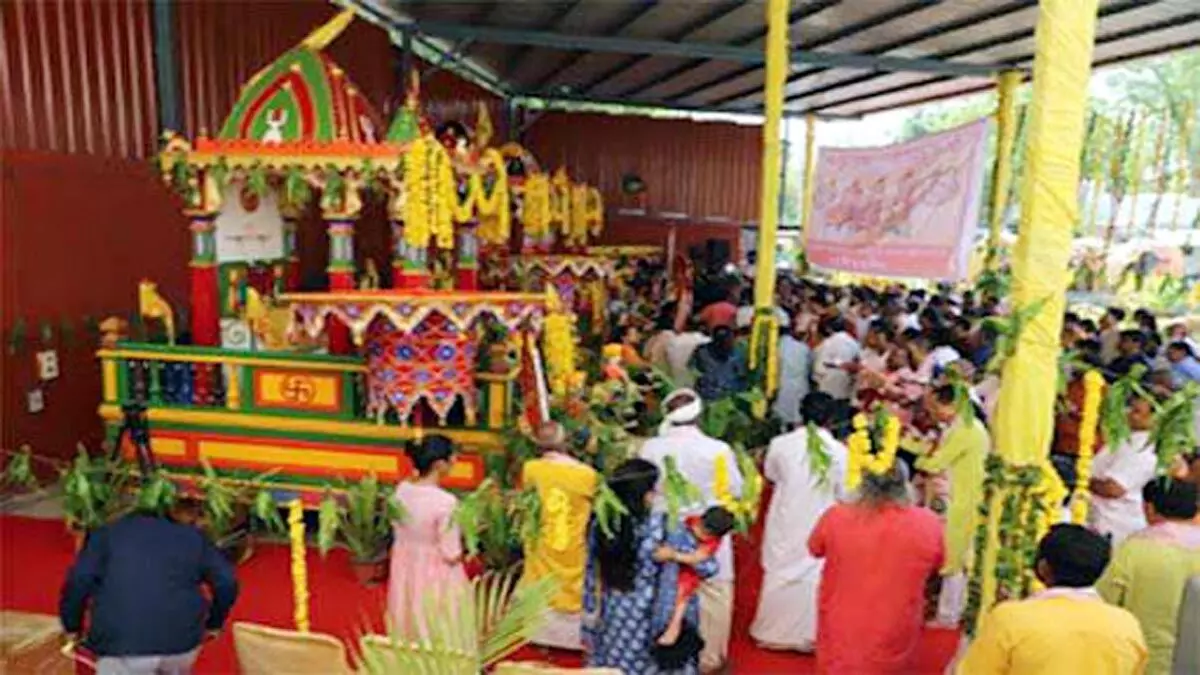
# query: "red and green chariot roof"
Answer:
x=303 y=97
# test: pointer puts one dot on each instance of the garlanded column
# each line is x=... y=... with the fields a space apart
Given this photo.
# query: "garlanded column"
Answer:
x=765 y=333
x=340 y=207
x=467 y=275
x=341 y=252
x=1006 y=137
x=204 y=202
x=291 y=248
x=410 y=265
x=1016 y=508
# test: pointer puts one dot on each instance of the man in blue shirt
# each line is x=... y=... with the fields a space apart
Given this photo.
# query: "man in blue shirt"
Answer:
x=141 y=579
x=1185 y=367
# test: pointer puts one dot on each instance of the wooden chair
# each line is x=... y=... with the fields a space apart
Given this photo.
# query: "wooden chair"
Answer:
x=32 y=643
x=263 y=650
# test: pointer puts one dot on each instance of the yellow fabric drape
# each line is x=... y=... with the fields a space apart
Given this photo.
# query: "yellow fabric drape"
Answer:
x=1049 y=210
x=1006 y=138
x=810 y=168
x=768 y=210
x=765 y=325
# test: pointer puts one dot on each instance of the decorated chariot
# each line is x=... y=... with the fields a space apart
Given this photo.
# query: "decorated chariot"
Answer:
x=271 y=380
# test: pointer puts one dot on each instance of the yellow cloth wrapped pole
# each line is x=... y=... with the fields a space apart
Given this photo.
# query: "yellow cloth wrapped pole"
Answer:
x=299 y=564
x=1049 y=210
x=765 y=326
x=1006 y=138
x=810 y=169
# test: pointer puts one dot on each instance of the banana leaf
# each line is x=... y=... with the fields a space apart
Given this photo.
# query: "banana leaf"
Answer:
x=157 y=494
x=266 y=512
x=819 y=459
x=607 y=508
x=466 y=631
x=1174 y=430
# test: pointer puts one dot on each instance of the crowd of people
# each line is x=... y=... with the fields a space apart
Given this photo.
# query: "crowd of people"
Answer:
x=850 y=574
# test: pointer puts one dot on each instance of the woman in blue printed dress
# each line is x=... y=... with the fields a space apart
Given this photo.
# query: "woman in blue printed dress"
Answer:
x=628 y=598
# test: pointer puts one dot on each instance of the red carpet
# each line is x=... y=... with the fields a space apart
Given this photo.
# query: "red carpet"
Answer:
x=34 y=556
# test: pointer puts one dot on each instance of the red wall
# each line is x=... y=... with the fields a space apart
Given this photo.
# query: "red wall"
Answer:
x=77 y=235
x=701 y=169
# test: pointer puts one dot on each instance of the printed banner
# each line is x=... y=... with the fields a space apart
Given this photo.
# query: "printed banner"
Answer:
x=904 y=210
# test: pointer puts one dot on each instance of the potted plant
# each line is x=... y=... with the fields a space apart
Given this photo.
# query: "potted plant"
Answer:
x=156 y=494
x=226 y=516
x=361 y=519
x=91 y=492
x=18 y=476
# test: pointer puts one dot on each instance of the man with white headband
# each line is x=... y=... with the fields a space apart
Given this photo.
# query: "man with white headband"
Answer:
x=696 y=456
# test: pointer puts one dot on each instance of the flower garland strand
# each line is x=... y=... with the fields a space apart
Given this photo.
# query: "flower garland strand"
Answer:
x=859 y=446
x=535 y=209
x=1093 y=387
x=430 y=194
x=495 y=213
x=559 y=344
x=299 y=564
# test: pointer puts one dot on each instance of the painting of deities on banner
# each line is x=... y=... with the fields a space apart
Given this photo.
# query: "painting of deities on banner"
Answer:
x=904 y=210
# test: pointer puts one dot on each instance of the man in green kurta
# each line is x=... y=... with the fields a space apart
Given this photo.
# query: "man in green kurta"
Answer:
x=961 y=454
x=1150 y=569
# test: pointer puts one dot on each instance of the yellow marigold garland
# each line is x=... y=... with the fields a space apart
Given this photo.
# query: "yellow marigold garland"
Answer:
x=559 y=343
x=861 y=459
x=560 y=201
x=1093 y=387
x=536 y=211
x=859 y=447
x=594 y=211
x=299 y=564
x=495 y=215
x=721 y=485
x=430 y=197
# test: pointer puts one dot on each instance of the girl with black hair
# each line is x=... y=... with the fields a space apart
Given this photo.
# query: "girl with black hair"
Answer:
x=628 y=598
x=427 y=547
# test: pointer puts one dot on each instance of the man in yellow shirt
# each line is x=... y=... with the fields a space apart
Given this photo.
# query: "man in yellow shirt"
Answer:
x=1065 y=629
x=1150 y=570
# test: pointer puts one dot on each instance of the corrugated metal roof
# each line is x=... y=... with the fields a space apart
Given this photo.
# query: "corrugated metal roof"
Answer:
x=533 y=46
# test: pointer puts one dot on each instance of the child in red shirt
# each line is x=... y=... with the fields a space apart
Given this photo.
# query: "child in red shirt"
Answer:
x=707 y=530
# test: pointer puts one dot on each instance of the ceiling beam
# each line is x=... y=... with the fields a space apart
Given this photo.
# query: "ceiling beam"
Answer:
x=566 y=101
x=935 y=31
x=702 y=50
x=741 y=41
x=628 y=20
x=998 y=41
x=554 y=23
x=1027 y=58
x=719 y=11
x=840 y=34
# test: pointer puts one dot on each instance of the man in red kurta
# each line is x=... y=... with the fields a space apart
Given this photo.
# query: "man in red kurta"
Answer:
x=878 y=554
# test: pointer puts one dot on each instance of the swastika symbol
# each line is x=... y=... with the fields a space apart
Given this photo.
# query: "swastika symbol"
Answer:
x=297 y=389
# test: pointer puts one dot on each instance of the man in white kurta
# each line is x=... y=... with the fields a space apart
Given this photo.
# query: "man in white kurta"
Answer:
x=1118 y=476
x=696 y=457
x=805 y=487
x=795 y=362
x=836 y=350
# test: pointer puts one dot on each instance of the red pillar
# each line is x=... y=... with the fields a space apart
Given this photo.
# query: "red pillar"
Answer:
x=205 y=303
x=341 y=278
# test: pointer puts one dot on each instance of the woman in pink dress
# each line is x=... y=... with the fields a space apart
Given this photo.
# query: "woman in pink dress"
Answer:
x=427 y=548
